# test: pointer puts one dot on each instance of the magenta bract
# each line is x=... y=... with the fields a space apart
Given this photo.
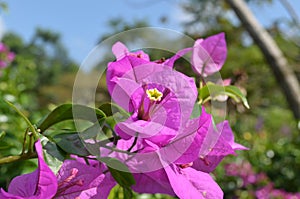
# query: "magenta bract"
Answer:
x=6 y=57
x=79 y=180
x=223 y=146
x=41 y=183
x=155 y=119
x=173 y=153
x=209 y=54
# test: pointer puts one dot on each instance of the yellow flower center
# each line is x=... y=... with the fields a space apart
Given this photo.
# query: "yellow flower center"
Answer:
x=154 y=94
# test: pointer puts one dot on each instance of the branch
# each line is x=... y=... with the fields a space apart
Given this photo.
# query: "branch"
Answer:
x=284 y=75
x=291 y=11
x=14 y=158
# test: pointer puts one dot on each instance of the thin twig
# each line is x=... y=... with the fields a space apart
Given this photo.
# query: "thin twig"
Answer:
x=15 y=158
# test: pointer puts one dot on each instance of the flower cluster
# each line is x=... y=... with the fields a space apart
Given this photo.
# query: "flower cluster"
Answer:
x=6 y=57
x=258 y=185
x=181 y=151
x=75 y=179
x=166 y=150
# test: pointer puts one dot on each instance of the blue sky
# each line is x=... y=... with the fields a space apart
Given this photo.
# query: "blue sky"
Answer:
x=81 y=23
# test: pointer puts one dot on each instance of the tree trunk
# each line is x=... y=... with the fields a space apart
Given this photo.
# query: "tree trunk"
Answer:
x=283 y=73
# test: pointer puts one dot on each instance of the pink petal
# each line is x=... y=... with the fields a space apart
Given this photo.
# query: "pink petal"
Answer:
x=3 y=64
x=187 y=145
x=86 y=182
x=3 y=47
x=224 y=145
x=119 y=50
x=153 y=131
x=153 y=182
x=170 y=62
x=209 y=54
x=41 y=183
x=188 y=183
x=11 y=56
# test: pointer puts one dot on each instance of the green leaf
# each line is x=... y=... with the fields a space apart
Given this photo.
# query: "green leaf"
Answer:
x=52 y=149
x=2 y=135
x=106 y=108
x=31 y=127
x=53 y=156
x=127 y=193
x=210 y=90
x=71 y=143
x=110 y=121
x=92 y=131
x=111 y=108
x=114 y=113
x=233 y=90
x=203 y=93
x=67 y=112
x=196 y=111
x=119 y=171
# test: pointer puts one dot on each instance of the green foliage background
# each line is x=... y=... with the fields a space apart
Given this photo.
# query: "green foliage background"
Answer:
x=42 y=76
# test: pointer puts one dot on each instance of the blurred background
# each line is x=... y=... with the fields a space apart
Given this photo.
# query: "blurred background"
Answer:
x=51 y=39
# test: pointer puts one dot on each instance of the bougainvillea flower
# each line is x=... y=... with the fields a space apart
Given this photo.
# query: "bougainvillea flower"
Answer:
x=190 y=183
x=173 y=180
x=135 y=66
x=170 y=62
x=10 y=56
x=153 y=182
x=79 y=180
x=201 y=143
x=41 y=183
x=168 y=169
x=224 y=146
x=269 y=191
x=209 y=54
x=6 y=57
x=167 y=145
x=3 y=64
x=185 y=147
x=168 y=178
x=120 y=51
x=162 y=104
x=176 y=168
x=3 y=47
x=245 y=171
x=126 y=61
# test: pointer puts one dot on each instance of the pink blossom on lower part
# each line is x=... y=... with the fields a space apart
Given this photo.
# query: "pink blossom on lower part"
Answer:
x=6 y=57
x=41 y=183
x=269 y=192
x=76 y=179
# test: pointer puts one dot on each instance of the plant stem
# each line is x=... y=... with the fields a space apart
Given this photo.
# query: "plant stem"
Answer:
x=31 y=127
x=14 y=158
x=24 y=142
x=134 y=142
